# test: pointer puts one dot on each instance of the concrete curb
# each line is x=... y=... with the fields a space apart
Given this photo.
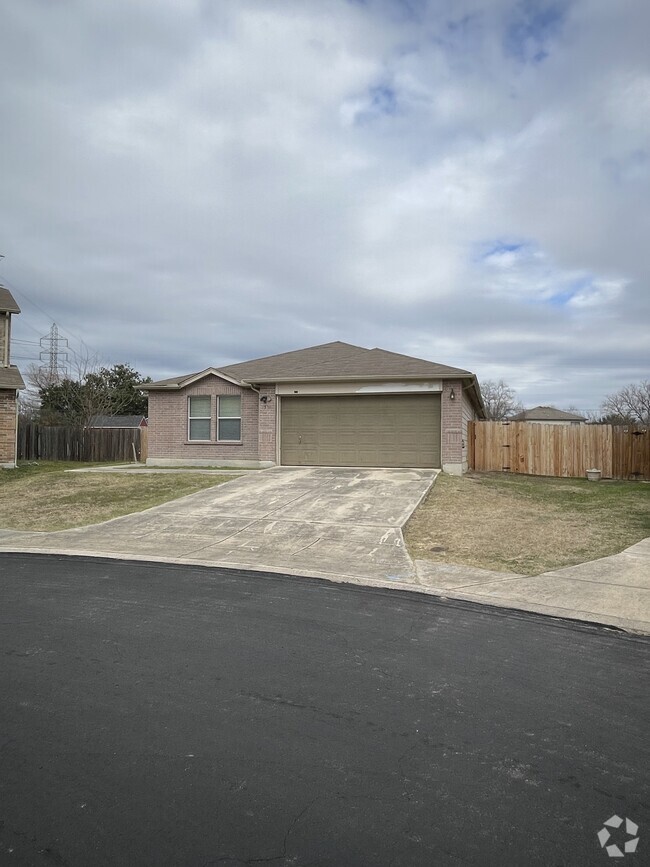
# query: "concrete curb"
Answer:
x=497 y=604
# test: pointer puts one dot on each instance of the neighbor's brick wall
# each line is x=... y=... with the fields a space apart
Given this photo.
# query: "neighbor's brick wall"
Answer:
x=168 y=423
x=7 y=426
x=452 y=422
x=5 y=324
x=268 y=413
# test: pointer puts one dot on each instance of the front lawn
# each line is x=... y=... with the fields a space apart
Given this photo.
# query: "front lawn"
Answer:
x=527 y=524
x=42 y=496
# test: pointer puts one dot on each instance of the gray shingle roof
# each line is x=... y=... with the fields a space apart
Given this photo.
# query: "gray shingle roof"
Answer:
x=10 y=378
x=7 y=301
x=547 y=413
x=328 y=361
x=336 y=360
x=116 y=421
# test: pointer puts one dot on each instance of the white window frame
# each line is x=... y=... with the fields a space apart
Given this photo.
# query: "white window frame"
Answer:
x=229 y=418
x=191 y=418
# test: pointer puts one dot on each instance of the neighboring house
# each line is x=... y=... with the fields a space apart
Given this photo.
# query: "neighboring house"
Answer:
x=118 y=421
x=548 y=415
x=329 y=405
x=10 y=383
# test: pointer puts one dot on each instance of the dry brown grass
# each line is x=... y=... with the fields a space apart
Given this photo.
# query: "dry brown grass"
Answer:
x=527 y=524
x=44 y=497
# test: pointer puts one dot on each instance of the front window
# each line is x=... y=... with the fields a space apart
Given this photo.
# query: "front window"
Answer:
x=199 y=412
x=229 y=418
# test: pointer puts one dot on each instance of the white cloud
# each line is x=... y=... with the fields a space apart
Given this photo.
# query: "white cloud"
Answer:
x=193 y=183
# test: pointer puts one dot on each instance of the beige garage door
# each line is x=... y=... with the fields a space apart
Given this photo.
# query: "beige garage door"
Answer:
x=400 y=430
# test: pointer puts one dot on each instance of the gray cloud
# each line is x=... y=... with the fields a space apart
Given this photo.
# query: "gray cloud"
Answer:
x=191 y=183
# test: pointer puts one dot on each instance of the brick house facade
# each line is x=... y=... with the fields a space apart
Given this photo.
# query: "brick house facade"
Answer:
x=10 y=383
x=330 y=405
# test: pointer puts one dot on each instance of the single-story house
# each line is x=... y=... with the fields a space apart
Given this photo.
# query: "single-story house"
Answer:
x=548 y=415
x=118 y=421
x=328 y=405
x=10 y=383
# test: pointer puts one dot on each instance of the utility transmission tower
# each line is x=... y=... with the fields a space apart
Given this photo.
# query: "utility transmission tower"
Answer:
x=54 y=354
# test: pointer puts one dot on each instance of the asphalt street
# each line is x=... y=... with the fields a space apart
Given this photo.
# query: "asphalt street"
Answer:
x=175 y=715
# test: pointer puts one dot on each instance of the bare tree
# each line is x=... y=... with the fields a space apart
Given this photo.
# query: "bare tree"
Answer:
x=573 y=409
x=500 y=400
x=88 y=391
x=28 y=406
x=629 y=404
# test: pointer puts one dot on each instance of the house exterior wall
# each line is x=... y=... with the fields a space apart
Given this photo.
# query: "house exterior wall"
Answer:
x=168 y=427
x=452 y=426
x=267 y=437
x=469 y=414
x=8 y=422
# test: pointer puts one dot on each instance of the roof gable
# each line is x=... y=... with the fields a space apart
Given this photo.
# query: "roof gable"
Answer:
x=176 y=382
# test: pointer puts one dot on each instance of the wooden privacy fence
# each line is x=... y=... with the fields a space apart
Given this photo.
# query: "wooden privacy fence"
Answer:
x=37 y=442
x=618 y=451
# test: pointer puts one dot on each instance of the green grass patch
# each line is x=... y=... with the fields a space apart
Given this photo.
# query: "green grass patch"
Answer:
x=527 y=524
x=43 y=496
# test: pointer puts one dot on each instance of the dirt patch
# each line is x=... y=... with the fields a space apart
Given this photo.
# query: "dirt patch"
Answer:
x=45 y=497
x=527 y=524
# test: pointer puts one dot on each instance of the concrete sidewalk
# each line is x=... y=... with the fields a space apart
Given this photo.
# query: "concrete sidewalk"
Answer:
x=613 y=590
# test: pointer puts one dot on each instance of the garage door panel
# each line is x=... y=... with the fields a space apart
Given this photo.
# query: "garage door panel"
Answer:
x=374 y=430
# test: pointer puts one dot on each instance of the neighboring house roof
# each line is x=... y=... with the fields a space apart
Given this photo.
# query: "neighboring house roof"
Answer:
x=7 y=302
x=329 y=361
x=10 y=378
x=118 y=421
x=547 y=413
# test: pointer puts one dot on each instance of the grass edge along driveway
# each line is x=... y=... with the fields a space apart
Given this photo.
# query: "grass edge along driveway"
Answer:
x=526 y=524
x=41 y=496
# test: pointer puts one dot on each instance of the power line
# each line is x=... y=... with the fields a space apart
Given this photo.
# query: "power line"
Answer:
x=24 y=295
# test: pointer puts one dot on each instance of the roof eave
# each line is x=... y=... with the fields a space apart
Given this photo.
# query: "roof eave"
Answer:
x=396 y=377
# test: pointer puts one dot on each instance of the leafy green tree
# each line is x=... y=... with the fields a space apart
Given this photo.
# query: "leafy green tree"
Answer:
x=120 y=386
x=107 y=391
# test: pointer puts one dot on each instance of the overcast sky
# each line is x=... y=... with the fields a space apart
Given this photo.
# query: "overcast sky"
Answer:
x=187 y=183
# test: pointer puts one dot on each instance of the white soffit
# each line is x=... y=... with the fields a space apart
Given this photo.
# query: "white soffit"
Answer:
x=424 y=386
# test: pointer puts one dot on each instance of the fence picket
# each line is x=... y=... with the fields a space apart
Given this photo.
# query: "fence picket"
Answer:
x=38 y=442
x=619 y=452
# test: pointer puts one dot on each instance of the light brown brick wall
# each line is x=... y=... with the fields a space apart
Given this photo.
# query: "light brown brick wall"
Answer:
x=7 y=426
x=168 y=423
x=452 y=422
x=268 y=414
x=469 y=414
x=5 y=318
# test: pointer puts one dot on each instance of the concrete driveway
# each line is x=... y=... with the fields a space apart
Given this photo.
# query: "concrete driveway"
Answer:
x=343 y=523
